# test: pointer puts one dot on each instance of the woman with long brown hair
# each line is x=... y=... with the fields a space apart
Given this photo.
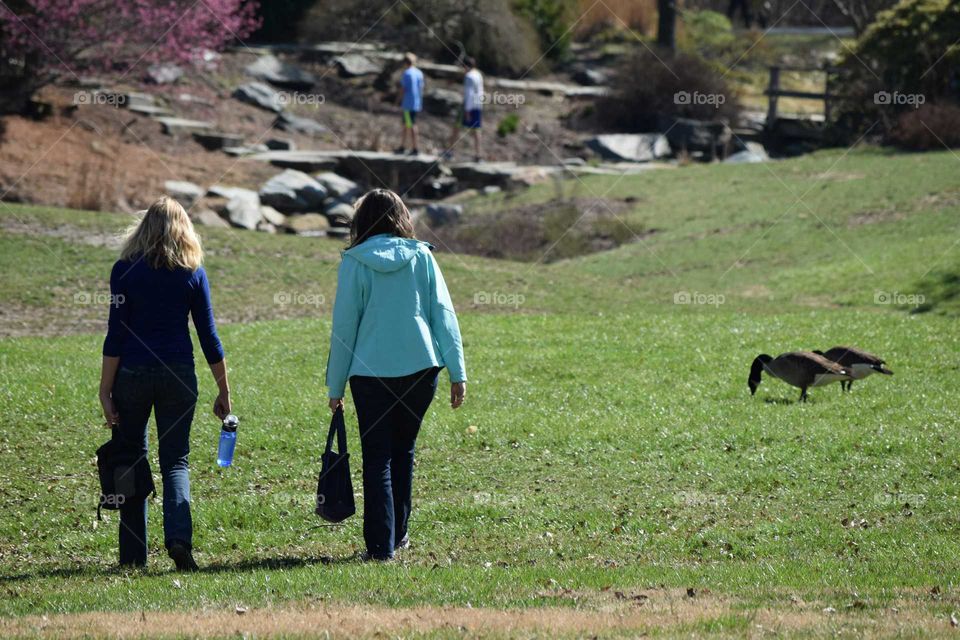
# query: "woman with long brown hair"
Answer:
x=394 y=328
x=148 y=366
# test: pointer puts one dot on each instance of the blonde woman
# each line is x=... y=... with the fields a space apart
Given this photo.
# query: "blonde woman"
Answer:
x=148 y=366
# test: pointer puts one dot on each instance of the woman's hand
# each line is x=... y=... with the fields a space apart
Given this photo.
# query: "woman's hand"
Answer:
x=336 y=403
x=221 y=406
x=458 y=392
x=109 y=410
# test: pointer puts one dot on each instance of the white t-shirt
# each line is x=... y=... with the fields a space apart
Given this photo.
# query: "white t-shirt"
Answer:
x=472 y=90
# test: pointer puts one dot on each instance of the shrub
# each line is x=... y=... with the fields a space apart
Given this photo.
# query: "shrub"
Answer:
x=647 y=90
x=508 y=125
x=708 y=33
x=552 y=20
x=932 y=126
x=904 y=58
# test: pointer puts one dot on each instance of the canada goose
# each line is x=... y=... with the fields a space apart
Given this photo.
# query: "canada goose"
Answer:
x=860 y=363
x=801 y=369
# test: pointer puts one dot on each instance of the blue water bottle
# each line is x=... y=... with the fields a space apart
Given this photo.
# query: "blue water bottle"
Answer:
x=228 y=440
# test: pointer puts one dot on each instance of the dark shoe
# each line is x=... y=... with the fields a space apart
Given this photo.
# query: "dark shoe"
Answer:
x=182 y=557
x=414 y=152
x=477 y=159
x=446 y=155
x=404 y=542
x=366 y=556
x=400 y=151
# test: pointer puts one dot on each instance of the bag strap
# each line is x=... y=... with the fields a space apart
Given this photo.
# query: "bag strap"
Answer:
x=338 y=427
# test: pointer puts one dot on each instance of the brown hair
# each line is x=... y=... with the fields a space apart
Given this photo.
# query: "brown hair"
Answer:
x=380 y=211
x=165 y=238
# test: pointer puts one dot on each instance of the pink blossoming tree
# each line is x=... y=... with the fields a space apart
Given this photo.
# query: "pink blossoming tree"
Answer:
x=43 y=41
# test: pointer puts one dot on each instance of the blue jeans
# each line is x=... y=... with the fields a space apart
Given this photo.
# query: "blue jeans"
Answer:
x=170 y=392
x=390 y=411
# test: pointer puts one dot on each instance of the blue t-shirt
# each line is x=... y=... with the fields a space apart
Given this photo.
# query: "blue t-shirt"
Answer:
x=149 y=315
x=412 y=83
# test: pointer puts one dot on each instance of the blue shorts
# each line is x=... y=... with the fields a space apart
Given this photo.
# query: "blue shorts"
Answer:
x=471 y=119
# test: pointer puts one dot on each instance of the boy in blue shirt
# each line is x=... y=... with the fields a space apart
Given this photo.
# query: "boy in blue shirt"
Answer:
x=411 y=101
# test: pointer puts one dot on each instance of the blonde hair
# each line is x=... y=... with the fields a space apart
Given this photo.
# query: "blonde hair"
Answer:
x=165 y=238
x=410 y=58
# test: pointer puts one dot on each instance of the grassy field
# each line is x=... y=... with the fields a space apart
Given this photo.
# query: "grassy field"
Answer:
x=621 y=479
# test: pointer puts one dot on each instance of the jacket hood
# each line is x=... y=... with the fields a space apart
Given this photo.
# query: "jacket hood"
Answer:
x=386 y=253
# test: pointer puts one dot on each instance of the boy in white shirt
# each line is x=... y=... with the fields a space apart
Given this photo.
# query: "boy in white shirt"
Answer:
x=471 y=111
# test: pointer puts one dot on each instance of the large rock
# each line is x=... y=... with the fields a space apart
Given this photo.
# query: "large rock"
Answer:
x=243 y=209
x=395 y=171
x=686 y=134
x=296 y=124
x=480 y=174
x=215 y=140
x=351 y=65
x=161 y=73
x=752 y=153
x=186 y=193
x=174 y=126
x=630 y=147
x=259 y=95
x=272 y=216
x=339 y=212
x=308 y=224
x=338 y=186
x=280 y=144
x=442 y=102
x=441 y=214
x=271 y=69
x=208 y=218
x=293 y=191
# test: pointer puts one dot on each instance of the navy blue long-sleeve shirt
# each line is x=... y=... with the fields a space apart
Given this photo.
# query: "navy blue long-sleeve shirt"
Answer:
x=148 y=316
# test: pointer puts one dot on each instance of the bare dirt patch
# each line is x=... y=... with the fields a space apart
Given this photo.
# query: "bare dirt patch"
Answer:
x=666 y=612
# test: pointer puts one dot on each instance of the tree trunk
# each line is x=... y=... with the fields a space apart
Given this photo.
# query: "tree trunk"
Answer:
x=667 y=24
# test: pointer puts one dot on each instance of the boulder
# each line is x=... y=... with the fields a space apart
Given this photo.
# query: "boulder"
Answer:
x=272 y=216
x=137 y=99
x=259 y=95
x=481 y=174
x=186 y=193
x=440 y=214
x=590 y=77
x=308 y=224
x=221 y=191
x=245 y=150
x=442 y=102
x=271 y=69
x=296 y=124
x=150 y=110
x=280 y=144
x=752 y=154
x=215 y=140
x=630 y=147
x=243 y=209
x=208 y=218
x=351 y=65
x=339 y=212
x=266 y=227
x=164 y=73
x=292 y=191
x=710 y=137
x=174 y=126
x=338 y=186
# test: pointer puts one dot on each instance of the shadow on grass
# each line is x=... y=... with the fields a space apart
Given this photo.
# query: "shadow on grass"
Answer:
x=255 y=564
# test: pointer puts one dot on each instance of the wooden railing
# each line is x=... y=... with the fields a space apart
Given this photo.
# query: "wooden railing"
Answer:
x=774 y=91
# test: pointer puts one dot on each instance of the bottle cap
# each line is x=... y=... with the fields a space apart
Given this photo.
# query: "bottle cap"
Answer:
x=231 y=422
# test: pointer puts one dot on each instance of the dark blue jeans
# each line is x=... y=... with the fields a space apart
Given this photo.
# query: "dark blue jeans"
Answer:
x=170 y=392
x=390 y=411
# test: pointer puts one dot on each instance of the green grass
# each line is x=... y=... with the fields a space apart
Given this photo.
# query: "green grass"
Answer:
x=617 y=443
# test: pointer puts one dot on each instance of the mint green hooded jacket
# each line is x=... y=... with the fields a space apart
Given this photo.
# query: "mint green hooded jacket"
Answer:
x=393 y=315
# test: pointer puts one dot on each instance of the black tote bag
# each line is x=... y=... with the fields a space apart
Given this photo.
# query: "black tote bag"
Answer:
x=334 y=488
x=124 y=473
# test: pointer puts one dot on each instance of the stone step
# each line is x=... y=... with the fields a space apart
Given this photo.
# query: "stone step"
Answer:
x=173 y=126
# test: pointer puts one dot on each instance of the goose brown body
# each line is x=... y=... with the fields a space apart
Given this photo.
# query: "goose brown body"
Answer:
x=801 y=369
x=860 y=363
